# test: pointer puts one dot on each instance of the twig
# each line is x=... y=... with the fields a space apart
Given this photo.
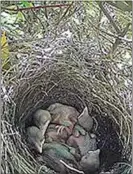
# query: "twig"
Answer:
x=118 y=41
x=109 y=18
x=46 y=13
x=37 y=7
x=71 y=168
x=26 y=18
x=111 y=35
x=125 y=7
x=38 y=19
x=65 y=12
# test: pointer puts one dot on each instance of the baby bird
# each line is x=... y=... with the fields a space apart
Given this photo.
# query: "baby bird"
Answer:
x=53 y=153
x=85 y=120
x=52 y=134
x=90 y=162
x=61 y=151
x=42 y=119
x=52 y=162
x=78 y=130
x=63 y=115
x=35 y=138
x=84 y=143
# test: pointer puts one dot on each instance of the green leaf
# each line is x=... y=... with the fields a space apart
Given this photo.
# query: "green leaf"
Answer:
x=20 y=17
x=5 y=52
x=25 y=3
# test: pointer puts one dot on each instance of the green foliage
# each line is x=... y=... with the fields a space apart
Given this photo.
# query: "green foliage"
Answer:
x=20 y=17
x=5 y=52
x=25 y=3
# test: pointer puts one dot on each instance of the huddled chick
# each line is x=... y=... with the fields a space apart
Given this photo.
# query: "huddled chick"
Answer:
x=90 y=162
x=85 y=120
x=54 y=152
x=53 y=135
x=84 y=143
x=35 y=134
x=35 y=138
x=61 y=124
x=63 y=115
x=42 y=118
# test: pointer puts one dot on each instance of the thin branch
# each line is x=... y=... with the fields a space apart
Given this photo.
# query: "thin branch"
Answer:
x=39 y=19
x=123 y=6
x=65 y=12
x=37 y=7
x=26 y=18
x=109 y=18
x=125 y=30
x=46 y=13
x=118 y=41
x=111 y=35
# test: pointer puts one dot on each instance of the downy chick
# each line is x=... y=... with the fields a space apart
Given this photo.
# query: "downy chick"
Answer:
x=63 y=115
x=35 y=138
x=90 y=162
x=78 y=130
x=52 y=162
x=42 y=119
x=62 y=151
x=52 y=134
x=84 y=143
x=53 y=153
x=85 y=120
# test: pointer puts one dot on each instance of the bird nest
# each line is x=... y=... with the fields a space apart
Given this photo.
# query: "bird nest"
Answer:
x=78 y=84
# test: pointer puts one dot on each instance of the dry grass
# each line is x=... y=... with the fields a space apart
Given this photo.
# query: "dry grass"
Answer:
x=73 y=65
x=75 y=80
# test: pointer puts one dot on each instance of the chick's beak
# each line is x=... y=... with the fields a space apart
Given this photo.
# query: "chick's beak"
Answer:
x=38 y=148
x=45 y=126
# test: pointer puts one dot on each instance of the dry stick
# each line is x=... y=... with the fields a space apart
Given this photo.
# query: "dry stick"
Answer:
x=46 y=13
x=37 y=7
x=98 y=32
x=109 y=34
x=71 y=168
x=127 y=7
x=119 y=32
x=109 y=18
x=26 y=18
x=38 y=19
x=118 y=41
x=63 y=16
x=65 y=12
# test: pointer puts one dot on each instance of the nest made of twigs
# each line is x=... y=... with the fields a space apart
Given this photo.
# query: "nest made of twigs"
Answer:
x=76 y=83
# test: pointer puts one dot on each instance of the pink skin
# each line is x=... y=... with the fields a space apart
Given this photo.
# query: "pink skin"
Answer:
x=53 y=136
x=84 y=143
x=54 y=133
x=64 y=116
x=65 y=124
x=75 y=141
